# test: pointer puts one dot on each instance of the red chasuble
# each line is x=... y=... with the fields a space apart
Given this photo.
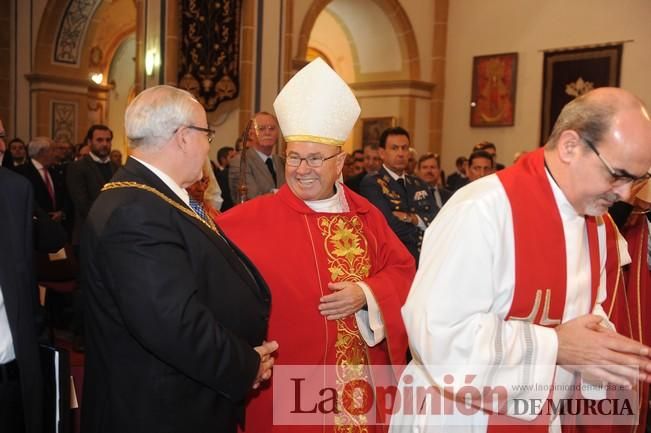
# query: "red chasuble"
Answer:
x=540 y=264
x=298 y=252
x=628 y=303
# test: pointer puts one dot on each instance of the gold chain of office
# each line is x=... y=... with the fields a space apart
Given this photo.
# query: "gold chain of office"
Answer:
x=116 y=185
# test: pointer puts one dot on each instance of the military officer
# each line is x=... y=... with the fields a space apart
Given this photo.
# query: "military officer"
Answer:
x=405 y=200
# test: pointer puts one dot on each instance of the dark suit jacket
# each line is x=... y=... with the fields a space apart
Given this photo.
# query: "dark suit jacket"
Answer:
x=258 y=178
x=19 y=289
x=41 y=195
x=84 y=181
x=173 y=313
x=456 y=181
x=444 y=193
x=388 y=196
x=222 y=180
x=355 y=182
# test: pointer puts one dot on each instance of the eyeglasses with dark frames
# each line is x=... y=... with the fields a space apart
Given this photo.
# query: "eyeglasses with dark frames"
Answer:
x=621 y=178
x=315 y=161
x=210 y=133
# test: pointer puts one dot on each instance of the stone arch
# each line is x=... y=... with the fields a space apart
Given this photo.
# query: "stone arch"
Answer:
x=403 y=30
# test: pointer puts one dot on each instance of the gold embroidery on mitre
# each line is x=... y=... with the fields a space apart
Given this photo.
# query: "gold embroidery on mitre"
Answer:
x=348 y=260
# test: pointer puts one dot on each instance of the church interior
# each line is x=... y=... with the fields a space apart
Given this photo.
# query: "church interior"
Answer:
x=73 y=63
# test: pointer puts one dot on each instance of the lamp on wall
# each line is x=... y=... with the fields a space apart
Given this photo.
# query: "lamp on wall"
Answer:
x=97 y=77
x=152 y=60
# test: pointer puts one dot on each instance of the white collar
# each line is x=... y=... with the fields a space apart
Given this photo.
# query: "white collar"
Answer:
x=393 y=174
x=38 y=165
x=335 y=204
x=98 y=159
x=180 y=192
x=564 y=206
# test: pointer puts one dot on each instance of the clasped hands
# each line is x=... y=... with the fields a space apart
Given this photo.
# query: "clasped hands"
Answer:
x=601 y=354
x=266 y=362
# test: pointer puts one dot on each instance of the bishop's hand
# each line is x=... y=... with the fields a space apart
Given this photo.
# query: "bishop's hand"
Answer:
x=347 y=299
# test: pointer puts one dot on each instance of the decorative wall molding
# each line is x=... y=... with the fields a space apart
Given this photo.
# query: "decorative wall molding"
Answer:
x=63 y=125
x=72 y=31
x=414 y=88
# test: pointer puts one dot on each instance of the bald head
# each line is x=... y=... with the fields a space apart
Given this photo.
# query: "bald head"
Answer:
x=593 y=113
x=599 y=146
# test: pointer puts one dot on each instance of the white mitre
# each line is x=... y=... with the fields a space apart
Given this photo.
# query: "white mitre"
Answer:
x=316 y=105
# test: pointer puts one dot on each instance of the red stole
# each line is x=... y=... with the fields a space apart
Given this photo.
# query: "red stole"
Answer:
x=540 y=259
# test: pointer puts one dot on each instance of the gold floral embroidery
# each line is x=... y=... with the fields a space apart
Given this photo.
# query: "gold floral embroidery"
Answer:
x=347 y=251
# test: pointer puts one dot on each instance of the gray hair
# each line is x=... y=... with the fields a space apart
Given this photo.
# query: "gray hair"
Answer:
x=38 y=145
x=155 y=114
x=590 y=117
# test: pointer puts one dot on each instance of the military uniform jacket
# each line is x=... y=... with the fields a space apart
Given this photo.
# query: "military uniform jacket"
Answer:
x=389 y=196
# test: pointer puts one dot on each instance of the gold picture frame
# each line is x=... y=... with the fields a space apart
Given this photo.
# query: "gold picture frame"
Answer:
x=372 y=128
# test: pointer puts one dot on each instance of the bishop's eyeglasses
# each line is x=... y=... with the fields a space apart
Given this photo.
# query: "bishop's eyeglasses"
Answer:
x=314 y=161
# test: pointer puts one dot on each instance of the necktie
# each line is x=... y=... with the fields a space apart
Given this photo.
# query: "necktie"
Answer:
x=437 y=197
x=270 y=165
x=198 y=208
x=49 y=186
x=401 y=181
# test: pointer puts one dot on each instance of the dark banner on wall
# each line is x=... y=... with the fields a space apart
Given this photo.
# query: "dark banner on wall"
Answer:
x=210 y=50
x=571 y=73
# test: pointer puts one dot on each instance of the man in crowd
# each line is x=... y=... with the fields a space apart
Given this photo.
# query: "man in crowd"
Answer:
x=341 y=276
x=372 y=164
x=405 y=200
x=176 y=317
x=429 y=172
x=534 y=318
x=459 y=178
x=5 y=156
x=116 y=157
x=220 y=169
x=21 y=387
x=87 y=176
x=480 y=164
x=491 y=149
x=48 y=185
x=265 y=171
x=18 y=151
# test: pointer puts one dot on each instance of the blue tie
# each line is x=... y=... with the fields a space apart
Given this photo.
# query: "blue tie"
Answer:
x=198 y=208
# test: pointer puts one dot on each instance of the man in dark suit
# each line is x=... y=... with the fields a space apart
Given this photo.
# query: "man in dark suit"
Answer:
x=265 y=171
x=49 y=185
x=405 y=200
x=459 y=178
x=21 y=384
x=87 y=176
x=176 y=315
x=220 y=169
x=372 y=164
x=429 y=171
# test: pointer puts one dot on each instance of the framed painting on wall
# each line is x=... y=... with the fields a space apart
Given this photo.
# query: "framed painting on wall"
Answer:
x=569 y=73
x=493 y=90
x=372 y=128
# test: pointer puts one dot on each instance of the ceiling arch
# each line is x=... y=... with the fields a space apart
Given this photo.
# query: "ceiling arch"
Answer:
x=381 y=38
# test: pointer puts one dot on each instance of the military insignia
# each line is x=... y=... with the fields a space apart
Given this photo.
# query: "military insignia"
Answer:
x=390 y=194
x=420 y=195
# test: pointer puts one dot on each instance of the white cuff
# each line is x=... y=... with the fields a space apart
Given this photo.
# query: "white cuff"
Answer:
x=369 y=321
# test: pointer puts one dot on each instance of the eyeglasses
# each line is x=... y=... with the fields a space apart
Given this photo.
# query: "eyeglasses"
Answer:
x=311 y=161
x=618 y=179
x=210 y=133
